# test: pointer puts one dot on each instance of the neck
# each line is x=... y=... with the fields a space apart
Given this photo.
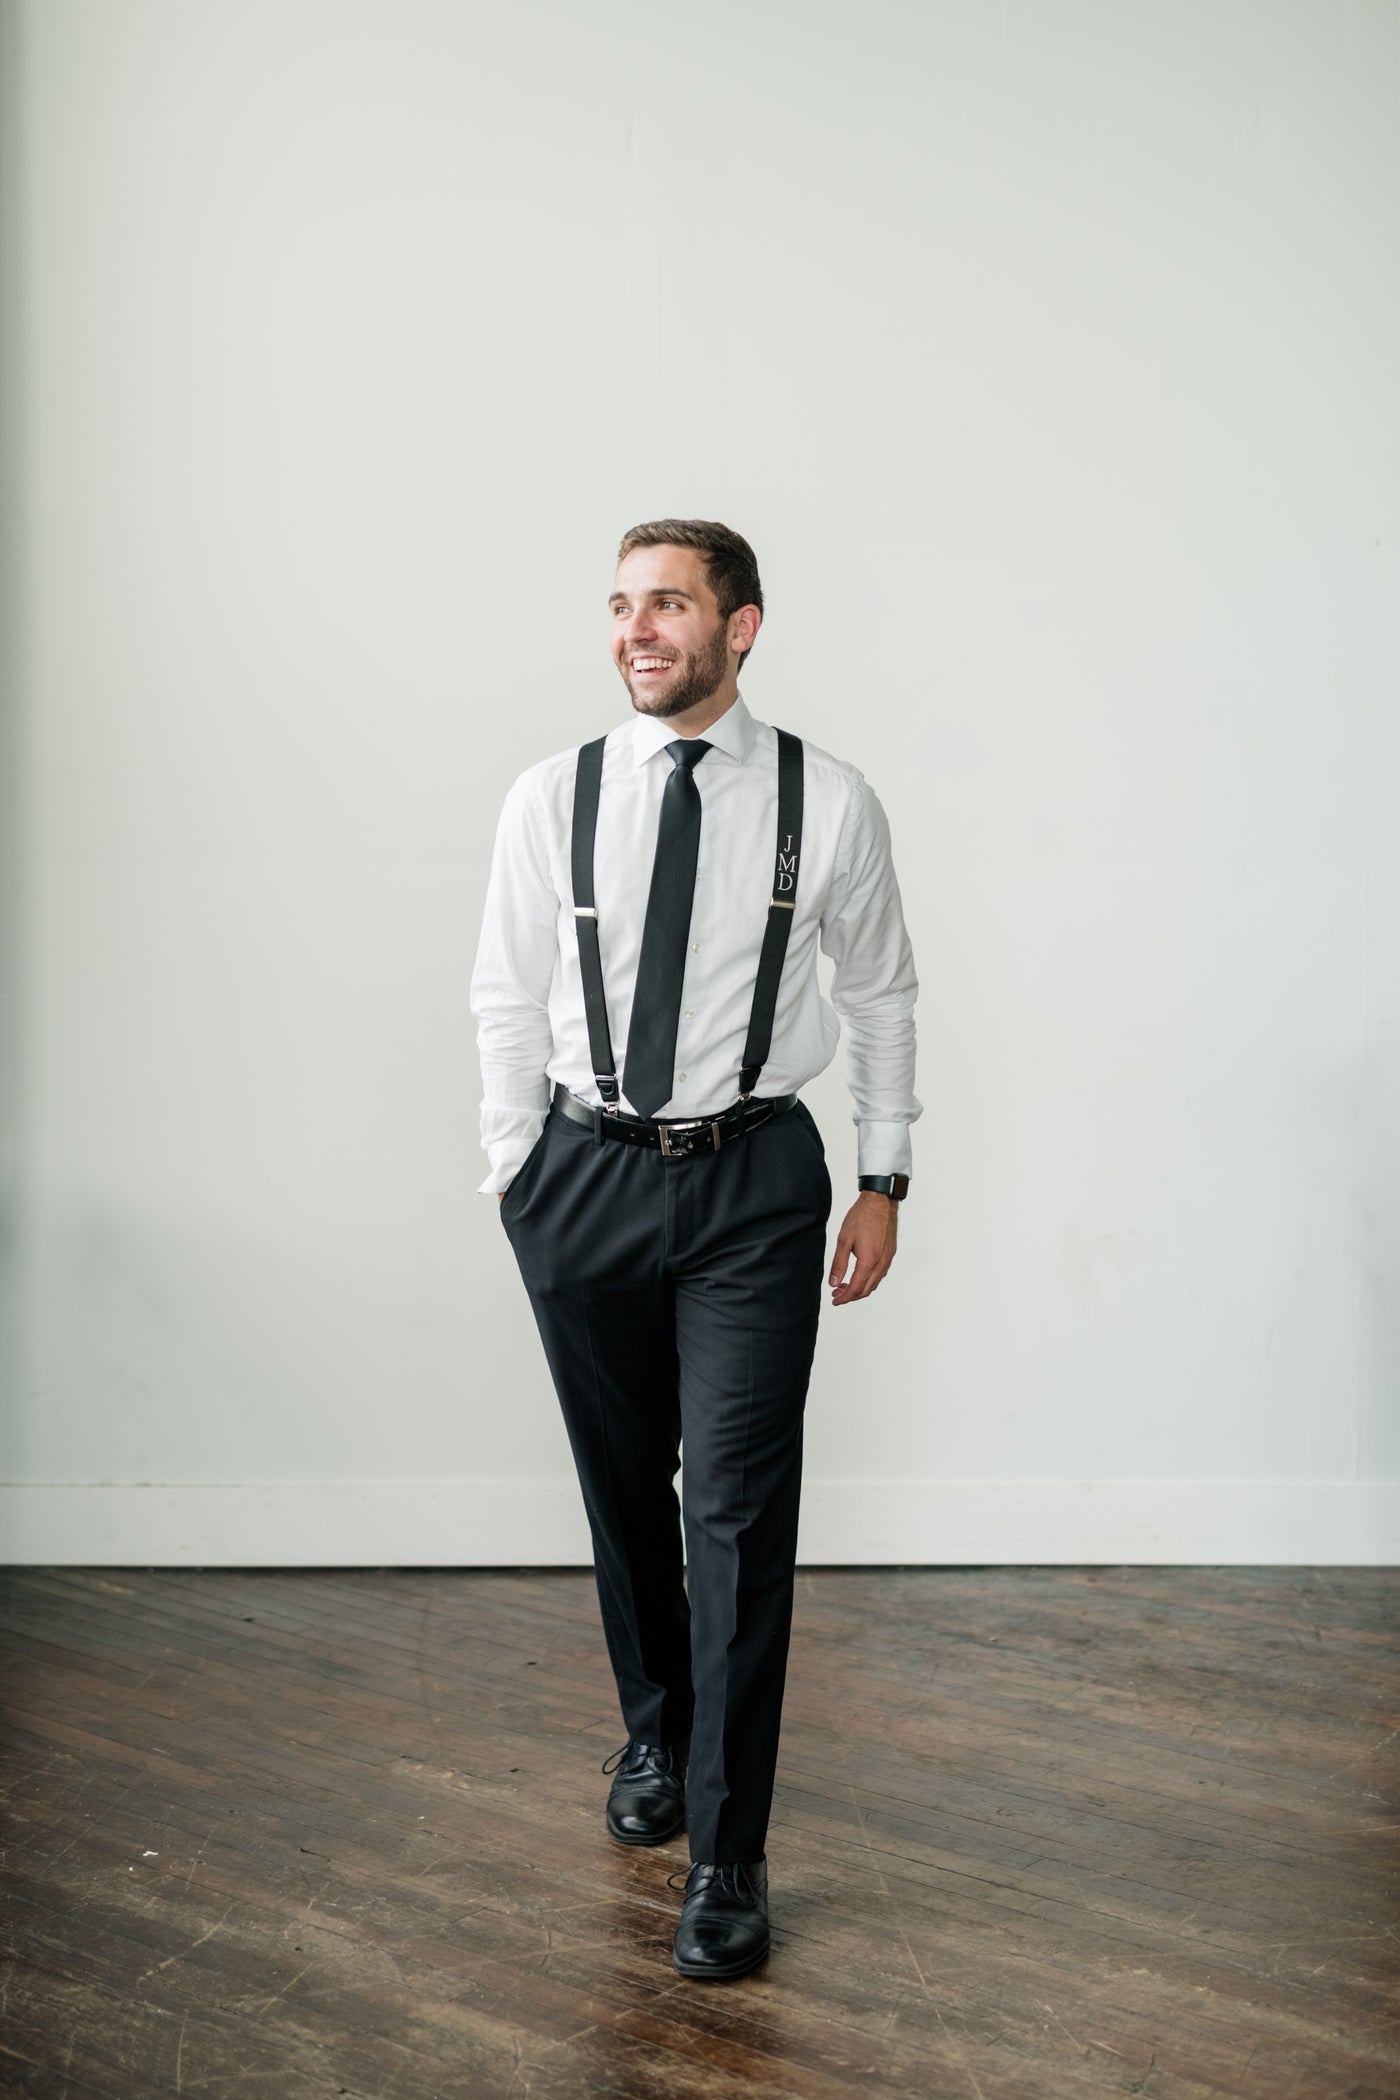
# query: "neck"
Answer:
x=694 y=721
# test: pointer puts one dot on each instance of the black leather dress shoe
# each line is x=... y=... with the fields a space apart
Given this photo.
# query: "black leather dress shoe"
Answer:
x=647 y=1802
x=724 y=1921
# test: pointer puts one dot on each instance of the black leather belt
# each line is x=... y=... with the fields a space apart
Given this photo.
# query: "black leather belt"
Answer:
x=676 y=1140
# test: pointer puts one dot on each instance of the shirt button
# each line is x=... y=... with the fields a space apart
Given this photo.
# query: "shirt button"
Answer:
x=681 y=1077
x=695 y=947
x=690 y=1013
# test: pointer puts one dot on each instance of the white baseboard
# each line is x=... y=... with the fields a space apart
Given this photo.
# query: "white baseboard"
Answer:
x=540 y=1523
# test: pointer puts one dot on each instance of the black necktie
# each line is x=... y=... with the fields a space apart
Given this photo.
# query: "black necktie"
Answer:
x=648 y=1076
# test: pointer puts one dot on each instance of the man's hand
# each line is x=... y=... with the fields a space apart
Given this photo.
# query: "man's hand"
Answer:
x=868 y=1231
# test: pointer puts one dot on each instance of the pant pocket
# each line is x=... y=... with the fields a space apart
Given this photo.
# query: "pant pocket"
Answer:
x=803 y=1116
x=525 y=1170
x=816 y=1152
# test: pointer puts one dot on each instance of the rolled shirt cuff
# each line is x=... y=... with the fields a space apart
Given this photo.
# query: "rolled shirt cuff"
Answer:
x=884 y=1148
x=508 y=1154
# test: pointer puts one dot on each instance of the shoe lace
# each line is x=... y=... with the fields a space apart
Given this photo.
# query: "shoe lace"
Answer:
x=729 y=1877
x=633 y=1753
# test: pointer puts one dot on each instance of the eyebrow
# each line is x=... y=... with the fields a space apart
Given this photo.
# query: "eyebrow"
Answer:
x=616 y=595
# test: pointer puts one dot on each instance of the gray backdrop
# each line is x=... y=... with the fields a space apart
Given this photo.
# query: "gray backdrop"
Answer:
x=1047 y=354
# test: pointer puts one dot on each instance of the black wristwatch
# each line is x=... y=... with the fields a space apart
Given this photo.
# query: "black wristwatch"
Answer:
x=895 y=1185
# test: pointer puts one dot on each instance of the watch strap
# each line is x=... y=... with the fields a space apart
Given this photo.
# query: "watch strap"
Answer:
x=894 y=1185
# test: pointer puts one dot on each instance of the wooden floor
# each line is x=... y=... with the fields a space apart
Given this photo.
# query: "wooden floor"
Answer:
x=1039 y=1832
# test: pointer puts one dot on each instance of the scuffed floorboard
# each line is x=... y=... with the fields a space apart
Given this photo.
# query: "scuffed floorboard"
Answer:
x=1039 y=1834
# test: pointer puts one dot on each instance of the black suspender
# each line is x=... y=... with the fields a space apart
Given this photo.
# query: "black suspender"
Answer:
x=586 y=783
x=781 y=905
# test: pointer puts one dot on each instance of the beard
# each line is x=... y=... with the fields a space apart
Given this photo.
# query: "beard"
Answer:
x=701 y=673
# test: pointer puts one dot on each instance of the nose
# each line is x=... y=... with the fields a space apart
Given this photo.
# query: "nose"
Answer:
x=639 y=629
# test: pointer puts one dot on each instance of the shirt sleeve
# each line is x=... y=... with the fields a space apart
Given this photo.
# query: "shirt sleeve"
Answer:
x=511 y=980
x=874 y=985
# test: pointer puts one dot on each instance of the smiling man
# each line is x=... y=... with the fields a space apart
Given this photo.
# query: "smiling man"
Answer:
x=663 y=891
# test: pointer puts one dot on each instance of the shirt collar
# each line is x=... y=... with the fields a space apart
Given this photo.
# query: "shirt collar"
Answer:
x=733 y=734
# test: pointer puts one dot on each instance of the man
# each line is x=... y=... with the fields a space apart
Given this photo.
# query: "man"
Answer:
x=665 y=890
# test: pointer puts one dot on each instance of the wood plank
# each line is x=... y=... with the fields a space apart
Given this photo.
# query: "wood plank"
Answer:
x=1051 y=1832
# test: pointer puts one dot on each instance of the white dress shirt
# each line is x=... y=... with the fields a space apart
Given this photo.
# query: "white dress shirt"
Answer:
x=527 y=992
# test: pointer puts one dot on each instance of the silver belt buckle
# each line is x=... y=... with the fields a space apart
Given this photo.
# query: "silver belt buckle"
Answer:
x=699 y=1123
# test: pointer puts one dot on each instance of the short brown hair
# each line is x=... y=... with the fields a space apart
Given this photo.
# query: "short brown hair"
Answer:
x=730 y=568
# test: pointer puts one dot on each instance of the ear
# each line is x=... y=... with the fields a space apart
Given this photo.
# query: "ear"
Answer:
x=743 y=626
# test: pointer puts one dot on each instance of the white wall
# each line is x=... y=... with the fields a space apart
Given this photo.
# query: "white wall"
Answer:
x=1046 y=353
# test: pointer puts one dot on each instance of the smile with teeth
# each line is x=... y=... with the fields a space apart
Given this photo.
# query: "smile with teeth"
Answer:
x=651 y=663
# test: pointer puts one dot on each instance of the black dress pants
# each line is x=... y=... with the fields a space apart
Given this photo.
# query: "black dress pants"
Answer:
x=677 y=1300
